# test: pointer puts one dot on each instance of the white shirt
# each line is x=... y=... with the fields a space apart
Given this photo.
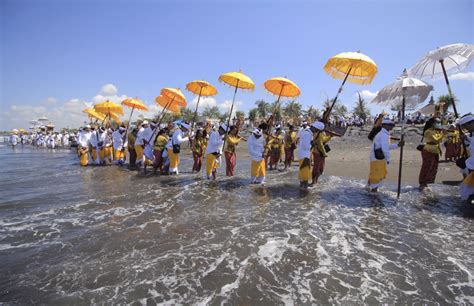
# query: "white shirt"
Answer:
x=177 y=139
x=256 y=146
x=83 y=138
x=304 y=148
x=381 y=141
x=143 y=134
x=14 y=140
x=118 y=140
x=215 y=143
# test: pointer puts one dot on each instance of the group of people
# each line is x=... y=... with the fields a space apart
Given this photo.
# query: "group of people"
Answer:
x=42 y=139
x=458 y=140
x=150 y=144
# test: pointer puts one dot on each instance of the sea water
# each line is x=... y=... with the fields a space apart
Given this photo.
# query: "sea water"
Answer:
x=81 y=235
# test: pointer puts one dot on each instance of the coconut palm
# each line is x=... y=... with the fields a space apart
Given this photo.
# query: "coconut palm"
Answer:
x=292 y=110
x=312 y=113
x=263 y=108
x=211 y=112
x=253 y=114
x=361 y=109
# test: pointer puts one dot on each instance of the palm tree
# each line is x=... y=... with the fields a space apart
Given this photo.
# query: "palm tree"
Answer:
x=292 y=110
x=312 y=113
x=361 y=108
x=340 y=110
x=211 y=112
x=275 y=109
x=240 y=114
x=263 y=108
x=446 y=100
x=187 y=114
x=253 y=114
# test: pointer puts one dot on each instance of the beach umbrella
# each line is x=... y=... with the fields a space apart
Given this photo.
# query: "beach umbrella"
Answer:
x=443 y=61
x=92 y=113
x=170 y=99
x=200 y=88
x=134 y=103
x=353 y=67
x=281 y=87
x=447 y=59
x=109 y=106
x=165 y=103
x=237 y=80
x=404 y=89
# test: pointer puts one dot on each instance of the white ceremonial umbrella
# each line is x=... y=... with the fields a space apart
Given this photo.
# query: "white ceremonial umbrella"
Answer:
x=404 y=91
x=443 y=61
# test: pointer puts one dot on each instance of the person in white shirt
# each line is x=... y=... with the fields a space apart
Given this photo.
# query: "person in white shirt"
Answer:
x=305 y=151
x=65 y=140
x=380 y=155
x=214 y=151
x=14 y=139
x=174 y=148
x=143 y=137
x=467 y=186
x=304 y=125
x=256 y=148
x=96 y=145
x=120 y=144
x=107 y=149
x=83 y=143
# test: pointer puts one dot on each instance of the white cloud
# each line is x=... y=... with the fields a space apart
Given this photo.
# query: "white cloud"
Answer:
x=203 y=103
x=66 y=114
x=108 y=90
x=367 y=95
x=225 y=106
x=467 y=76
x=50 y=101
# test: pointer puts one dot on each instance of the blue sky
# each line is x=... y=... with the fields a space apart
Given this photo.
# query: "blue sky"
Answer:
x=56 y=55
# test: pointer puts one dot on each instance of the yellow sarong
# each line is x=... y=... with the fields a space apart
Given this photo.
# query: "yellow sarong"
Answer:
x=139 y=151
x=211 y=163
x=304 y=174
x=174 y=160
x=119 y=154
x=378 y=171
x=83 y=157
x=107 y=152
x=94 y=154
x=257 y=168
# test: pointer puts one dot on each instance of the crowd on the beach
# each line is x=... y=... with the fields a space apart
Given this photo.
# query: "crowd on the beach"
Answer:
x=269 y=146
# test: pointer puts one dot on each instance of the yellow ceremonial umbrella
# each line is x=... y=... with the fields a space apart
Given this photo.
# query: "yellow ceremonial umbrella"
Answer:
x=134 y=103
x=173 y=99
x=282 y=87
x=200 y=88
x=165 y=102
x=354 y=67
x=109 y=106
x=237 y=80
x=92 y=113
x=175 y=95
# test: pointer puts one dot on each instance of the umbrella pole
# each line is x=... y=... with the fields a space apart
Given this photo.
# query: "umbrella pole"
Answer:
x=161 y=116
x=449 y=89
x=337 y=95
x=128 y=125
x=230 y=114
x=401 y=148
x=195 y=112
x=454 y=105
